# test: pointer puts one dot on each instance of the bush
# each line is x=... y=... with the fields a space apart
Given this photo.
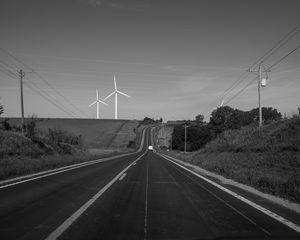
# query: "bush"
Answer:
x=30 y=129
x=197 y=136
x=63 y=141
x=12 y=144
x=5 y=125
x=131 y=144
x=1 y=109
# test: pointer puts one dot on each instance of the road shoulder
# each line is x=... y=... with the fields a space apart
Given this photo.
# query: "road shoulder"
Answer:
x=282 y=207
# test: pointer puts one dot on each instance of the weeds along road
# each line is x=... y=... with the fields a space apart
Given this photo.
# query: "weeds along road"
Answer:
x=139 y=196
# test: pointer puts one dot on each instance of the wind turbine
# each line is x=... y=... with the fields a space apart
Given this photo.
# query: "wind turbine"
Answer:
x=116 y=91
x=98 y=101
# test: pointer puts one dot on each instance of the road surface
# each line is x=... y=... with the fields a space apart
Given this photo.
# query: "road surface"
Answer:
x=139 y=196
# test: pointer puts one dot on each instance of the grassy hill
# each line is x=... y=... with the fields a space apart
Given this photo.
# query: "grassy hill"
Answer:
x=96 y=133
x=268 y=160
x=60 y=142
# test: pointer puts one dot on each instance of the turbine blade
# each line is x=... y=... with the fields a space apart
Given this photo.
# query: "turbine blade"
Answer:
x=92 y=103
x=97 y=95
x=124 y=94
x=102 y=102
x=115 y=82
x=109 y=96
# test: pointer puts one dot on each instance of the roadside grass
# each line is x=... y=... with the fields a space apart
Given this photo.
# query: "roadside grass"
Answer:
x=95 y=133
x=22 y=165
x=126 y=137
x=47 y=148
x=12 y=143
x=268 y=160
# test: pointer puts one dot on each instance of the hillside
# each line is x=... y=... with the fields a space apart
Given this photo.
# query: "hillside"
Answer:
x=59 y=142
x=268 y=160
x=96 y=133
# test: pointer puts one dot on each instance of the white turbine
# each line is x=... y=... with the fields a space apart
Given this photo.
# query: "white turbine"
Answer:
x=116 y=91
x=98 y=101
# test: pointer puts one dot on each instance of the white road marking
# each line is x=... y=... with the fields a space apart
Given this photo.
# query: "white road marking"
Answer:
x=43 y=174
x=146 y=203
x=243 y=199
x=124 y=175
x=52 y=172
x=223 y=201
x=68 y=222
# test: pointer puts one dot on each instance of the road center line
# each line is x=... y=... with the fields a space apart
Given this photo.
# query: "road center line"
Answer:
x=271 y=214
x=146 y=201
x=67 y=223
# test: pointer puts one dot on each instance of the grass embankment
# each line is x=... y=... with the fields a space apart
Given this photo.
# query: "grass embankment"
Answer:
x=268 y=160
x=20 y=155
x=95 y=133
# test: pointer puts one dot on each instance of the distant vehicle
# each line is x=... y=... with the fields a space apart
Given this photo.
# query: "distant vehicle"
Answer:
x=150 y=148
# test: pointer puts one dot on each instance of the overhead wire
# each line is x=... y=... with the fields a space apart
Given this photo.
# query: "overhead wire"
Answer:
x=284 y=57
x=287 y=37
x=39 y=91
x=7 y=65
x=51 y=98
x=243 y=76
x=48 y=99
x=42 y=78
x=240 y=91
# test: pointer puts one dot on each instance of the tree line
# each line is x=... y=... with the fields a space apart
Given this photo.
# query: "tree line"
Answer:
x=223 y=118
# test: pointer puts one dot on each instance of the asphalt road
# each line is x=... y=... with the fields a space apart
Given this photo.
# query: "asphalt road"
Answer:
x=141 y=196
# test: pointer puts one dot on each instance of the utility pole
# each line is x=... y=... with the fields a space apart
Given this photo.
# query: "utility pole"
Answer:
x=185 y=126
x=22 y=75
x=259 y=85
x=259 y=96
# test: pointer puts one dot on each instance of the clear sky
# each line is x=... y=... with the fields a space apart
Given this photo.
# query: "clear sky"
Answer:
x=175 y=58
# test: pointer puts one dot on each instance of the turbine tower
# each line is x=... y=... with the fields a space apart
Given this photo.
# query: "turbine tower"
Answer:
x=98 y=101
x=115 y=92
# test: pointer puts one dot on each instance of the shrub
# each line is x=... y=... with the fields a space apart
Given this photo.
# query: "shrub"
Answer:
x=60 y=136
x=30 y=129
x=12 y=144
x=5 y=125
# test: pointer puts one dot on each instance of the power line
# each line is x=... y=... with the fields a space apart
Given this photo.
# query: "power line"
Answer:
x=42 y=78
x=49 y=100
x=278 y=45
x=240 y=91
x=236 y=83
x=7 y=65
x=8 y=72
x=40 y=92
x=270 y=52
x=71 y=113
x=284 y=57
x=268 y=69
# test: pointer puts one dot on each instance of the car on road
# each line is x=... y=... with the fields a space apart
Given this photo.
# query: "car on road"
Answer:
x=150 y=148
